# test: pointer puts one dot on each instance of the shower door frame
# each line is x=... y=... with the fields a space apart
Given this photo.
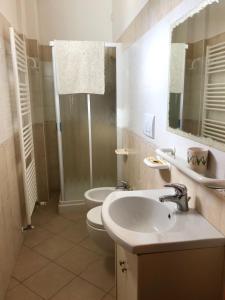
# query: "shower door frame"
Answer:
x=58 y=128
x=63 y=203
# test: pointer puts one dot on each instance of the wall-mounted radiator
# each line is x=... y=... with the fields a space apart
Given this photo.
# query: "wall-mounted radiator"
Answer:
x=213 y=118
x=22 y=91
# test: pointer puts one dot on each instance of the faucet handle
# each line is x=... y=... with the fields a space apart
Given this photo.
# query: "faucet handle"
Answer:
x=180 y=189
x=123 y=185
x=124 y=182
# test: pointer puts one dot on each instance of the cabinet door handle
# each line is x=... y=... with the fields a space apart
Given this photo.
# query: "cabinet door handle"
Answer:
x=124 y=270
x=122 y=263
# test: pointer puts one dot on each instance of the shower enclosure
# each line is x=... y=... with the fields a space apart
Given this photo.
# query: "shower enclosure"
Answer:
x=87 y=138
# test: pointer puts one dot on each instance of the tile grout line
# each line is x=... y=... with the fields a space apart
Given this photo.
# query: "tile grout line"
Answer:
x=105 y=296
x=54 y=260
x=94 y=284
x=32 y=247
x=62 y=287
x=56 y=233
x=48 y=263
x=59 y=235
x=22 y=282
x=26 y=287
x=72 y=220
x=81 y=271
x=101 y=254
x=109 y=294
x=74 y=245
x=81 y=279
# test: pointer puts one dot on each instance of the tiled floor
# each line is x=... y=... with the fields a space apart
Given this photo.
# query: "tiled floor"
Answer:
x=59 y=261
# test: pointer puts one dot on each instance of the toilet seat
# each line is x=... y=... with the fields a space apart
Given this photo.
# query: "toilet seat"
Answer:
x=94 y=217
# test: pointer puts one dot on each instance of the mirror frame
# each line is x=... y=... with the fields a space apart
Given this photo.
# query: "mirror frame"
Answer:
x=202 y=140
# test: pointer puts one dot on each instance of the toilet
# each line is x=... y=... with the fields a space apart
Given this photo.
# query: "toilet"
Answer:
x=97 y=231
x=94 y=199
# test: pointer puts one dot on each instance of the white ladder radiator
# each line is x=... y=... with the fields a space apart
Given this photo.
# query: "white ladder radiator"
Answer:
x=213 y=119
x=22 y=91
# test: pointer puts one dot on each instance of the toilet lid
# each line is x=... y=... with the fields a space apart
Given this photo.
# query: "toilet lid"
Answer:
x=94 y=217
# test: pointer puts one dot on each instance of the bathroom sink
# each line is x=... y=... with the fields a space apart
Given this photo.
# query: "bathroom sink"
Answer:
x=141 y=214
x=140 y=223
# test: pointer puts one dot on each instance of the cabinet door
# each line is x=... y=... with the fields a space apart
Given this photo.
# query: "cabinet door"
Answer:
x=195 y=274
x=126 y=275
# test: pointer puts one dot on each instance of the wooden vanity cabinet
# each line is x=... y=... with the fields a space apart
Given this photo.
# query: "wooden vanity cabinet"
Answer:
x=126 y=274
x=179 y=275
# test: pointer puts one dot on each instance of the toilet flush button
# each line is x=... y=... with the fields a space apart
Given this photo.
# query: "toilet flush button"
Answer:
x=149 y=125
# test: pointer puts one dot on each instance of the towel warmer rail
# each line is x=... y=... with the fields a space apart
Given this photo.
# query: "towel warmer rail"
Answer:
x=20 y=69
x=214 y=93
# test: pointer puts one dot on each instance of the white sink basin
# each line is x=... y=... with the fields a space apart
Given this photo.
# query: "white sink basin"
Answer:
x=141 y=214
x=141 y=224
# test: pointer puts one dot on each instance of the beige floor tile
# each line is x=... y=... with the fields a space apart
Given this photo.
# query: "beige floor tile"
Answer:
x=79 y=289
x=28 y=263
x=77 y=259
x=45 y=213
x=13 y=283
x=54 y=247
x=49 y=280
x=57 y=225
x=34 y=237
x=89 y=244
x=109 y=297
x=76 y=215
x=53 y=202
x=76 y=232
x=21 y=293
x=42 y=217
x=113 y=292
x=101 y=274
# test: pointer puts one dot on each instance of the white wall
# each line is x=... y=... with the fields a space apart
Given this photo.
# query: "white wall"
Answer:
x=124 y=11
x=75 y=20
x=11 y=10
x=143 y=85
x=70 y=19
x=30 y=19
x=22 y=14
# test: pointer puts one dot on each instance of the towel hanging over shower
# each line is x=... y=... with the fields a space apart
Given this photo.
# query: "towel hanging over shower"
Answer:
x=80 y=67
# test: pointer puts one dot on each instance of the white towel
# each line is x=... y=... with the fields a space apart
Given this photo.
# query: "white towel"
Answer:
x=177 y=67
x=80 y=67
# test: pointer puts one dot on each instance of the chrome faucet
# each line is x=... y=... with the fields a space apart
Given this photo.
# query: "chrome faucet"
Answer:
x=180 y=197
x=123 y=185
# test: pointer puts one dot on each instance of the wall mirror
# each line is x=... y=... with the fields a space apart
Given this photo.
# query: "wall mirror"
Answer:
x=197 y=76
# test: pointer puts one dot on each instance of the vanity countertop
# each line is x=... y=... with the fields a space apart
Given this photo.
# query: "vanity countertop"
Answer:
x=190 y=230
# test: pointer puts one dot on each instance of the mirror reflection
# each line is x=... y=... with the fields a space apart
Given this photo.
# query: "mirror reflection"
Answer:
x=197 y=74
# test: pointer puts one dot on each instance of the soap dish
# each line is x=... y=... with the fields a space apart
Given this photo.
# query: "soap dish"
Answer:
x=121 y=151
x=156 y=163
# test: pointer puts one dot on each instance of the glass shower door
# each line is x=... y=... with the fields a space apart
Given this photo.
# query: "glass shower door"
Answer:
x=88 y=132
x=74 y=123
x=103 y=123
